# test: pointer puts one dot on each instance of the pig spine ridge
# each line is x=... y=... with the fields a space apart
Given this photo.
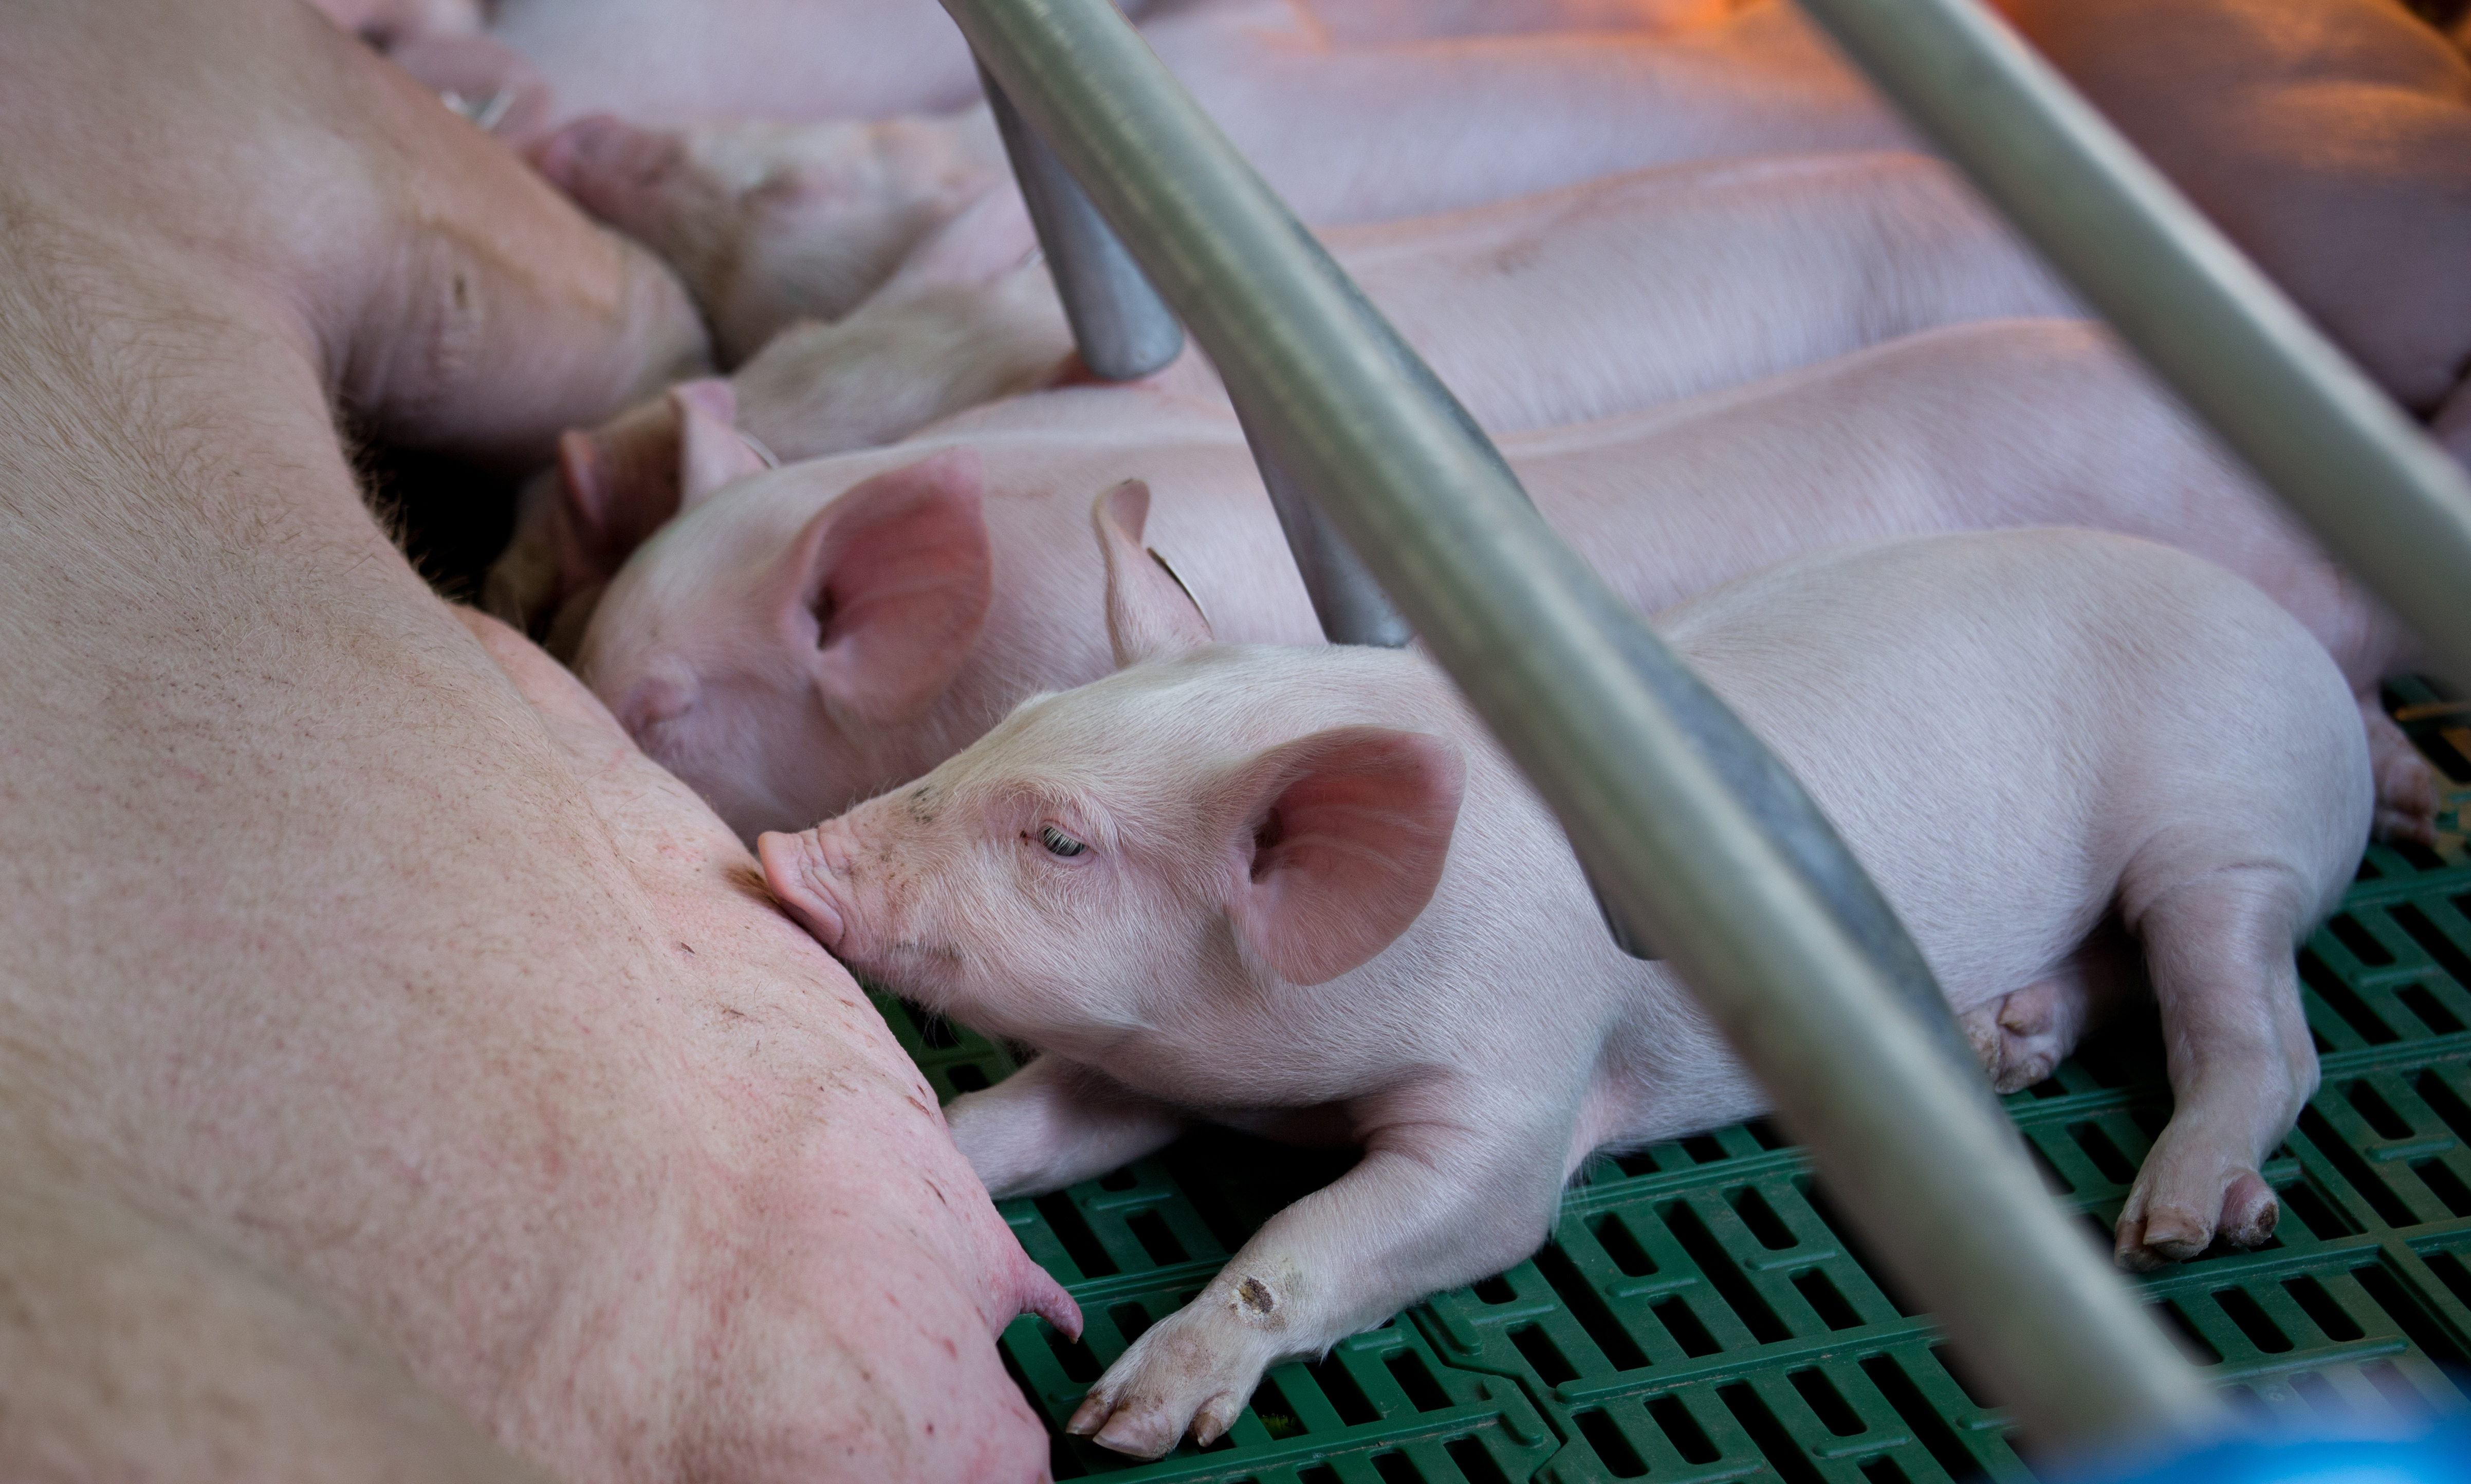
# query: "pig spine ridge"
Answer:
x=2023 y=736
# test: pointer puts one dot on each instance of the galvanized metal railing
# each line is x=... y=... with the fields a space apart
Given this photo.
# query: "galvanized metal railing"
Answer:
x=1698 y=841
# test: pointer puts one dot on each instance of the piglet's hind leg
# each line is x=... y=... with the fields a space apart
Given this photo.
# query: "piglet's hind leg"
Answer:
x=2406 y=785
x=2240 y=1061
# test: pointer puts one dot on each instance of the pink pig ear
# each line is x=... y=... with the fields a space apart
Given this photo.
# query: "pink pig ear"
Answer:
x=1338 y=845
x=584 y=483
x=710 y=452
x=1149 y=615
x=586 y=493
x=891 y=581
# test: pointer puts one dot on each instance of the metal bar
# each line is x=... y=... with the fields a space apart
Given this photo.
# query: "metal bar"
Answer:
x=1697 y=840
x=1123 y=333
x=1348 y=601
x=1119 y=326
x=2376 y=489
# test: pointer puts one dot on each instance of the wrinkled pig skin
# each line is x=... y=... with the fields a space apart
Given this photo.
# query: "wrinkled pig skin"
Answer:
x=772 y=220
x=811 y=636
x=1271 y=888
x=1559 y=308
x=2331 y=139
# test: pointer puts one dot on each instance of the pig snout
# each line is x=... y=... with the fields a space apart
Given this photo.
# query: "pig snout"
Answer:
x=807 y=871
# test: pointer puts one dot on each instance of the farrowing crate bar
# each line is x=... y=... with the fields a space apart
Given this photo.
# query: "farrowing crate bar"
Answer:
x=1698 y=843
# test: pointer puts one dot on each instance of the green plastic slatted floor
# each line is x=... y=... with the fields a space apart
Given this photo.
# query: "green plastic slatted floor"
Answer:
x=1701 y=1314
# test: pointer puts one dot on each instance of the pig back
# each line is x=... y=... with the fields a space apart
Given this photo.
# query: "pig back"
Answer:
x=1998 y=724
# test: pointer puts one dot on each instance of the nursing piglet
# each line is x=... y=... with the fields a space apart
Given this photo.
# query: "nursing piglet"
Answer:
x=1300 y=892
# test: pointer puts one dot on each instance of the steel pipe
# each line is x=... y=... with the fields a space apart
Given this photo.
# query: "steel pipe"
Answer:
x=1121 y=329
x=1698 y=841
x=1122 y=332
x=2374 y=488
x=1345 y=598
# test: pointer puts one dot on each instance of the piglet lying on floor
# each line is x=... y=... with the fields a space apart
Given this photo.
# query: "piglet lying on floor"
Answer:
x=1299 y=891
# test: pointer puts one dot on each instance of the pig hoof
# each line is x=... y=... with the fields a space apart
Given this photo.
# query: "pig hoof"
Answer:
x=1216 y=1418
x=2021 y=1037
x=1136 y=1425
x=2407 y=803
x=1184 y=1373
x=2153 y=1231
x=2407 y=794
x=1140 y=1420
x=2249 y=1212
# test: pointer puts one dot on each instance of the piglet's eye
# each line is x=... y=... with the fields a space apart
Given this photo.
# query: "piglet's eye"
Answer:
x=1059 y=843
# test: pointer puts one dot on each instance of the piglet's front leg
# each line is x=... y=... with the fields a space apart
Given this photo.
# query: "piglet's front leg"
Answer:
x=1055 y=1122
x=1427 y=1208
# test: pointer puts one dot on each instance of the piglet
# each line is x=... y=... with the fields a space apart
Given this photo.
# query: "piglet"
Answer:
x=815 y=635
x=1300 y=892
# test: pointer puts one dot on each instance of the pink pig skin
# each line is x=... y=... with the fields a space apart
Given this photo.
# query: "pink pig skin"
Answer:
x=771 y=219
x=1265 y=886
x=2331 y=140
x=706 y=645
x=1553 y=309
x=696 y=1220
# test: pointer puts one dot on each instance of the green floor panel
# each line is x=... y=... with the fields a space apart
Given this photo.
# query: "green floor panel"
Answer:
x=1703 y=1314
x=1892 y=1413
x=1723 y=1298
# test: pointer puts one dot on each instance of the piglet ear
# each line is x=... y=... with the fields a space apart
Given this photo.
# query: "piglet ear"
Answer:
x=710 y=452
x=586 y=541
x=1337 y=842
x=891 y=582
x=1149 y=615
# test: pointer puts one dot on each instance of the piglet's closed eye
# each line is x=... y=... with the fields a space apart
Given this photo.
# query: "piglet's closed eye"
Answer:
x=1335 y=843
